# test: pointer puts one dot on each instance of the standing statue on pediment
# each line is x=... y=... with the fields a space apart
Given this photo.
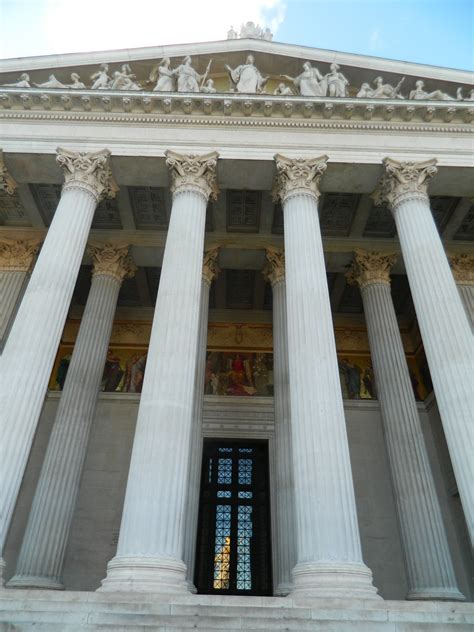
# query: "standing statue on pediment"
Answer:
x=23 y=82
x=336 y=82
x=100 y=78
x=51 y=83
x=436 y=95
x=247 y=78
x=124 y=79
x=76 y=82
x=188 y=78
x=381 y=91
x=163 y=75
x=310 y=83
x=231 y=33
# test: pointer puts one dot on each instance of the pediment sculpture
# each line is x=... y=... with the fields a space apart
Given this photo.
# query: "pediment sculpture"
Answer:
x=244 y=79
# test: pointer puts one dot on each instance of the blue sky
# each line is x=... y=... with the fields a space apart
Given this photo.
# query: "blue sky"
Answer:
x=438 y=32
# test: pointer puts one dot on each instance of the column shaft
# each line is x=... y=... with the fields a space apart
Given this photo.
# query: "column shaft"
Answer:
x=42 y=552
x=151 y=542
x=11 y=284
x=29 y=354
x=446 y=335
x=428 y=562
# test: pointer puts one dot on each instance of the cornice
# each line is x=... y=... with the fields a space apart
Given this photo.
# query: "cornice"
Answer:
x=236 y=110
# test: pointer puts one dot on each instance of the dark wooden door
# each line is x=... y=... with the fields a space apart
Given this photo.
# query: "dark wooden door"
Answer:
x=233 y=553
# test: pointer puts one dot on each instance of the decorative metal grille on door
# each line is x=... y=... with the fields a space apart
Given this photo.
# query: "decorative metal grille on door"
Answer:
x=233 y=547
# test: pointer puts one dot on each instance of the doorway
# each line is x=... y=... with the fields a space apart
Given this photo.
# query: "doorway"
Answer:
x=233 y=553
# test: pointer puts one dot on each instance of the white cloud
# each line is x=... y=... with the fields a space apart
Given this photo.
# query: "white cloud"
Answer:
x=110 y=24
x=374 y=39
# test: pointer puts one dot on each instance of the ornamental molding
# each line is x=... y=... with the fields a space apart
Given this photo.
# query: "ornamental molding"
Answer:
x=233 y=105
x=173 y=121
x=7 y=183
x=210 y=269
x=274 y=270
x=17 y=255
x=462 y=266
x=87 y=171
x=298 y=176
x=111 y=260
x=369 y=268
x=404 y=180
x=192 y=172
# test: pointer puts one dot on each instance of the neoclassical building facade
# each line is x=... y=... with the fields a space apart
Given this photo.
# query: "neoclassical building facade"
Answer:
x=237 y=304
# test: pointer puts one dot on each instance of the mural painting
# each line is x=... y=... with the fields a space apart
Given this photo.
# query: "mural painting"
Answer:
x=239 y=374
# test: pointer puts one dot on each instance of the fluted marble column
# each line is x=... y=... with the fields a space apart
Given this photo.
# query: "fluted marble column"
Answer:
x=210 y=271
x=430 y=571
x=28 y=357
x=40 y=562
x=151 y=543
x=285 y=536
x=16 y=257
x=445 y=330
x=462 y=267
x=328 y=542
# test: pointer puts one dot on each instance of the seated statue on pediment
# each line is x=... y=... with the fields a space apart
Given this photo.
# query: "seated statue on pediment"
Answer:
x=208 y=87
x=23 y=82
x=282 y=90
x=164 y=76
x=381 y=91
x=247 y=78
x=436 y=95
x=76 y=82
x=51 y=83
x=188 y=79
x=310 y=83
x=124 y=79
x=336 y=82
x=101 y=78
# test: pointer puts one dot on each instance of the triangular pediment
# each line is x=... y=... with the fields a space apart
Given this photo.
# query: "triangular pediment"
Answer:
x=272 y=59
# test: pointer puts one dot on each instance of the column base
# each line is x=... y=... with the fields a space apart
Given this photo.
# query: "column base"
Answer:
x=32 y=581
x=436 y=594
x=145 y=574
x=326 y=579
x=282 y=590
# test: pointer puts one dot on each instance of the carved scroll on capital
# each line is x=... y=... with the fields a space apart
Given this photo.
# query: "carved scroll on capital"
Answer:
x=89 y=171
x=210 y=269
x=191 y=172
x=17 y=255
x=370 y=267
x=7 y=183
x=298 y=175
x=274 y=270
x=462 y=267
x=111 y=260
x=402 y=180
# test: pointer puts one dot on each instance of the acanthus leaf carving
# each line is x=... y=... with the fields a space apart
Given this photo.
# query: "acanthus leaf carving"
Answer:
x=402 y=180
x=88 y=171
x=210 y=269
x=17 y=255
x=370 y=267
x=462 y=266
x=274 y=270
x=298 y=175
x=111 y=260
x=192 y=172
x=7 y=183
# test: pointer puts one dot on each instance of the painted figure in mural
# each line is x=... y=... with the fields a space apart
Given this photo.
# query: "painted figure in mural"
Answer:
x=436 y=95
x=336 y=82
x=163 y=75
x=188 y=78
x=134 y=373
x=62 y=371
x=113 y=373
x=352 y=374
x=246 y=77
x=310 y=83
x=124 y=79
x=23 y=82
x=415 y=384
x=369 y=383
x=100 y=78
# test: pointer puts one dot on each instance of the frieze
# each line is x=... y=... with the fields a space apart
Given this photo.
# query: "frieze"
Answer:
x=240 y=336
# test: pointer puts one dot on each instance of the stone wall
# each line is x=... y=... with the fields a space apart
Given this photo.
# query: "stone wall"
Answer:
x=96 y=523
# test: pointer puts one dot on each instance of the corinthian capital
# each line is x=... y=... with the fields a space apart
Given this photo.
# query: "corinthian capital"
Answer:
x=274 y=270
x=7 y=183
x=210 y=269
x=370 y=267
x=402 y=180
x=17 y=255
x=298 y=175
x=111 y=260
x=191 y=172
x=463 y=269
x=87 y=171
